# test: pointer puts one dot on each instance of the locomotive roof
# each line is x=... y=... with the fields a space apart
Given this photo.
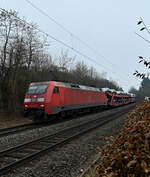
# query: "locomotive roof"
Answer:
x=82 y=87
x=67 y=85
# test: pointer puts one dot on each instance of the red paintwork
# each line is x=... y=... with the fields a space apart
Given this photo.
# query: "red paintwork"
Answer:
x=72 y=96
x=124 y=99
x=65 y=97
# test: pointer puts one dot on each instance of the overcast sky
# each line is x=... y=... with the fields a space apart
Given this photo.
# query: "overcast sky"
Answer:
x=107 y=26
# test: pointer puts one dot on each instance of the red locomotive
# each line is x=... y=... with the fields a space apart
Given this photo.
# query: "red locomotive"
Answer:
x=53 y=98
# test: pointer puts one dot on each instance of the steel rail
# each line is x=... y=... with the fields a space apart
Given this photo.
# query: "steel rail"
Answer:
x=21 y=128
x=16 y=129
x=19 y=155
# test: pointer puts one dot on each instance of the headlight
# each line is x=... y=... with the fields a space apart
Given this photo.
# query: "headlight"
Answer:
x=40 y=99
x=27 y=100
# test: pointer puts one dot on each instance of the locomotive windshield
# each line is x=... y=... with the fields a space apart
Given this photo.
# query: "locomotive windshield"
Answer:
x=37 y=89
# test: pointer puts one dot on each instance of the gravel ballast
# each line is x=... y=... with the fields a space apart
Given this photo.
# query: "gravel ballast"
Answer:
x=72 y=158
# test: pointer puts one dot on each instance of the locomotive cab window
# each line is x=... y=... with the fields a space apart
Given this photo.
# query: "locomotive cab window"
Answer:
x=56 y=90
x=37 y=89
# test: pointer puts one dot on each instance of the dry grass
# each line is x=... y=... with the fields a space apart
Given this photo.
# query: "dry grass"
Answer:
x=12 y=120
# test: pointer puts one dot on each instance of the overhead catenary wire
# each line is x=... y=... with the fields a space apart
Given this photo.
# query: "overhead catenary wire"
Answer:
x=59 y=41
x=142 y=37
x=62 y=26
x=71 y=34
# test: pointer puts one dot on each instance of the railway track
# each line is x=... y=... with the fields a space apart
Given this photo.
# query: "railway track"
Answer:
x=19 y=155
x=18 y=129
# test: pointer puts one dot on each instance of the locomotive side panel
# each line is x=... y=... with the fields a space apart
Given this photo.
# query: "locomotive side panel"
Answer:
x=77 y=98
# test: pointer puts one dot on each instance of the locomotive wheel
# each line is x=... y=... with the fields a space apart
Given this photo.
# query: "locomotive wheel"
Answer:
x=69 y=113
x=25 y=113
x=37 y=120
x=74 y=113
x=63 y=114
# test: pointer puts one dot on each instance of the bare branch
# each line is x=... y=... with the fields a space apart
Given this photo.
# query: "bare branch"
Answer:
x=145 y=27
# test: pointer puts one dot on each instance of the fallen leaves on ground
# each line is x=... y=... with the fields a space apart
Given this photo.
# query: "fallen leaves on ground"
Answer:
x=129 y=154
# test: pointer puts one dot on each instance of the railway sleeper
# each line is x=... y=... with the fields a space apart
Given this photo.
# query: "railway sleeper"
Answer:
x=16 y=155
x=44 y=143
x=50 y=141
x=37 y=147
x=29 y=150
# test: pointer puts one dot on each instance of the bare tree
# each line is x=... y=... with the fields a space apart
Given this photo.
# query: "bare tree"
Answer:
x=21 y=48
x=65 y=62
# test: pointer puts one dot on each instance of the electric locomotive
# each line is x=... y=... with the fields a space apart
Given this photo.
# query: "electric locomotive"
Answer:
x=51 y=98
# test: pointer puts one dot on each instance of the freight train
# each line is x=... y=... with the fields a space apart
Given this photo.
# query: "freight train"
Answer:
x=46 y=99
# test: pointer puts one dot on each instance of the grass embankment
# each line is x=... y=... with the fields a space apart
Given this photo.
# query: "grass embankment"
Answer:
x=12 y=120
